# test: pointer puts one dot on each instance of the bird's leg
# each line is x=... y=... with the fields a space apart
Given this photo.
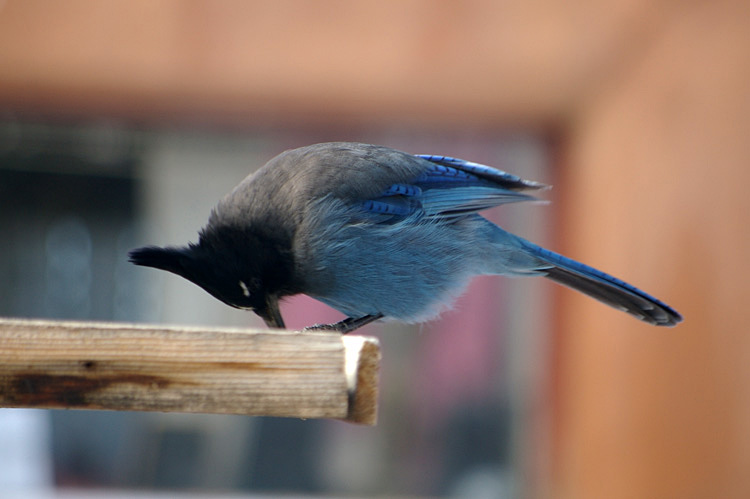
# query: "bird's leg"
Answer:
x=347 y=325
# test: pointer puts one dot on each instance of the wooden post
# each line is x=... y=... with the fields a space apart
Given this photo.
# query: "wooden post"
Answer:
x=88 y=365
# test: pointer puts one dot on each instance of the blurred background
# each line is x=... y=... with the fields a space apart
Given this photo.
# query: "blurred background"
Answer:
x=122 y=122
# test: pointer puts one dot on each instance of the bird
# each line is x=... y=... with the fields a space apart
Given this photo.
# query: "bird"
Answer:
x=377 y=234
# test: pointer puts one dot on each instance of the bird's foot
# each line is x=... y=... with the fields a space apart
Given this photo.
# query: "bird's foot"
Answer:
x=346 y=326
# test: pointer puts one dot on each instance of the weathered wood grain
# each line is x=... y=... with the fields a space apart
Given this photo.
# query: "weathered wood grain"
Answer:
x=87 y=365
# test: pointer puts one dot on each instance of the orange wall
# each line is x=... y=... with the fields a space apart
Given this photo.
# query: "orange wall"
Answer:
x=656 y=176
x=474 y=62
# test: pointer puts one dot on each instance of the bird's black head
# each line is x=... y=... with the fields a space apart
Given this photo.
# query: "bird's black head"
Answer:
x=240 y=267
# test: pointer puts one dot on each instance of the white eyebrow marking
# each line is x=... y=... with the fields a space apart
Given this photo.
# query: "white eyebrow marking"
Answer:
x=245 y=291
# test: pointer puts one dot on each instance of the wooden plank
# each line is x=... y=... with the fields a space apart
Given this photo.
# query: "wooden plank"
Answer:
x=87 y=365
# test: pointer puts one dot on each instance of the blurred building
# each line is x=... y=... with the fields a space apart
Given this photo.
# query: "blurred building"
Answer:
x=123 y=122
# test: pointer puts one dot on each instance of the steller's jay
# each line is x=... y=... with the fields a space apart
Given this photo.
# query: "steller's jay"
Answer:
x=374 y=233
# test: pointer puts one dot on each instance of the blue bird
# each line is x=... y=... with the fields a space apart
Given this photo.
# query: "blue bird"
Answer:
x=375 y=233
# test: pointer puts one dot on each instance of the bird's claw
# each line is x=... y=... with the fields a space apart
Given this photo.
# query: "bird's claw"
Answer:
x=346 y=326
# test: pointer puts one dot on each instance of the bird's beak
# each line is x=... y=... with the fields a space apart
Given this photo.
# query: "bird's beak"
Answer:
x=272 y=315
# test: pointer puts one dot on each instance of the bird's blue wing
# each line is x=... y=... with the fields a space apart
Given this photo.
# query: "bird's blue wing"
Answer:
x=493 y=175
x=450 y=187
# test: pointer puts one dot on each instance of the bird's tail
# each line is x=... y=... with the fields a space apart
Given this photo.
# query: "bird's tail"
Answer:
x=604 y=287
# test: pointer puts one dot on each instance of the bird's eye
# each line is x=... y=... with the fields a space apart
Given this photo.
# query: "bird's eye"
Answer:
x=245 y=291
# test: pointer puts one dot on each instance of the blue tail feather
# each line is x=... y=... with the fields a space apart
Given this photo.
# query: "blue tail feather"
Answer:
x=604 y=287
